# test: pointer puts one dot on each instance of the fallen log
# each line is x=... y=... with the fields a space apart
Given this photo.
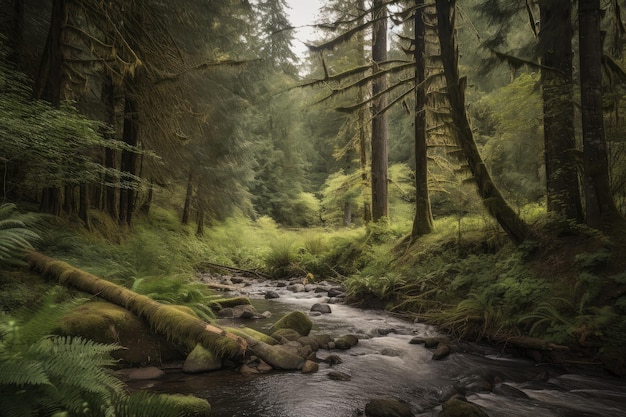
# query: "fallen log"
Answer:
x=175 y=324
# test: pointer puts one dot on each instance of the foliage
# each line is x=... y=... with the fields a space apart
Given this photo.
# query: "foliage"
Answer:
x=53 y=375
x=15 y=237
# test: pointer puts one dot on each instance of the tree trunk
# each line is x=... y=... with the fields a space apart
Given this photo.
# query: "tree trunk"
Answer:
x=188 y=197
x=497 y=206
x=16 y=34
x=380 y=203
x=363 y=145
x=555 y=38
x=129 y=163
x=599 y=205
x=200 y=222
x=166 y=319
x=83 y=205
x=113 y=99
x=347 y=214
x=423 y=221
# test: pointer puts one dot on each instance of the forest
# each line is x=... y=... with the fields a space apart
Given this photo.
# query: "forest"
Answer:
x=459 y=164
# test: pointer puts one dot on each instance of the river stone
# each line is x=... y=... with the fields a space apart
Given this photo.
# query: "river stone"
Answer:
x=390 y=352
x=277 y=356
x=309 y=341
x=335 y=292
x=508 y=391
x=459 y=408
x=295 y=320
x=201 y=360
x=322 y=308
x=188 y=405
x=244 y=312
x=346 y=342
x=417 y=340
x=226 y=313
x=286 y=334
x=296 y=288
x=139 y=374
x=270 y=295
x=339 y=376
x=323 y=340
x=310 y=367
x=310 y=287
x=332 y=360
x=387 y=408
x=441 y=352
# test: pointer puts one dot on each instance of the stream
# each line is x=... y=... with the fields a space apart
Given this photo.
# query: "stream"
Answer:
x=384 y=365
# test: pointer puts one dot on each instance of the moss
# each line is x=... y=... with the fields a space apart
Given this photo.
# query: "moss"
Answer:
x=190 y=406
x=20 y=289
x=297 y=321
x=246 y=332
x=231 y=302
x=108 y=323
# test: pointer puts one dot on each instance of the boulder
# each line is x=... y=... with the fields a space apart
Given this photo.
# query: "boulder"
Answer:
x=296 y=288
x=441 y=352
x=346 y=342
x=309 y=341
x=246 y=332
x=310 y=367
x=245 y=311
x=201 y=360
x=276 y=356
x=387 y=408
x=458 y=408
x=322 y=308
x=295 y=320
x=108 y=323
x=283 y=335
x=271 y=295
x=187 y=405
x=323 y=340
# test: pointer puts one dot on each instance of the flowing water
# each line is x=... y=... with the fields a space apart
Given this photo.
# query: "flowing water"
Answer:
x=384 y=365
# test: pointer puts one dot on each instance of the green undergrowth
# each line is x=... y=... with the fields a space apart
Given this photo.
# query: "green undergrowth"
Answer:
x=566 y=286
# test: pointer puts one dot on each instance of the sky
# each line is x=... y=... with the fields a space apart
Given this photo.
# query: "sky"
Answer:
x=303 y=12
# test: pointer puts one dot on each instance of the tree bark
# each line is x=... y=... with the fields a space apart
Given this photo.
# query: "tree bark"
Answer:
x=188 y=196
x=423 y=220
x=496 y=205
x=363 y=145
x=380 y=203
x=555 y=38
x=129 y=162
x=599 y=204
x=113 y=100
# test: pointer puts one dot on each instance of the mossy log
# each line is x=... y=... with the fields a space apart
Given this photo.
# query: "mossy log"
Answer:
x=169 y=320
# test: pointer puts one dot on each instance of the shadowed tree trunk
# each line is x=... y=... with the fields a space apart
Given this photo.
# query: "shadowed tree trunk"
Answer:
x=423 y=221
x=599 y=204
x=555 y=38
x=188 y=196
x=129 y=163
x=113 y=99
x=497 y=206
x=380 y=203
x=367 y=209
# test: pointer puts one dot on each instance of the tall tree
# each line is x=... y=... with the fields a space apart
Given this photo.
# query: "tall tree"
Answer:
x=555 y=39
x=599 y=204
x=423 y=221
x=380 y=199
x=497 y=206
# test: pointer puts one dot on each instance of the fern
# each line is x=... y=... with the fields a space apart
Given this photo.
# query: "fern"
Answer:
x=15 y=237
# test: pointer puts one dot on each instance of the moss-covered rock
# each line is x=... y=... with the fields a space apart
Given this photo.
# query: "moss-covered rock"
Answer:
x=229 y=302
x=108 y=323
x=201 y=360
x=458 y=408
x=189 y=405
x=295 y=320
x=286 y=334
x=246 y=332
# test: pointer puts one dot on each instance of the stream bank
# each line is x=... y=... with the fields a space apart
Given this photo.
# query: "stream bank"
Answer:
x=385 y=365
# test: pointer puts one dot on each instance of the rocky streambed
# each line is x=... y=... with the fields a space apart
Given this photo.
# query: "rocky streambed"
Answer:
x=364 y=362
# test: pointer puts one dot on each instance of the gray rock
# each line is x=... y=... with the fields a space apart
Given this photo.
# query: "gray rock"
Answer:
x=321 y=308
x=296 y=288
x=339 y=376
x=244 y=311
x=332 y=360
x=459 y=408
x=270 y=295
x=509 y=391
x=310 y=367
x=335 y=292
x=441 y=352
x=390 y=352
